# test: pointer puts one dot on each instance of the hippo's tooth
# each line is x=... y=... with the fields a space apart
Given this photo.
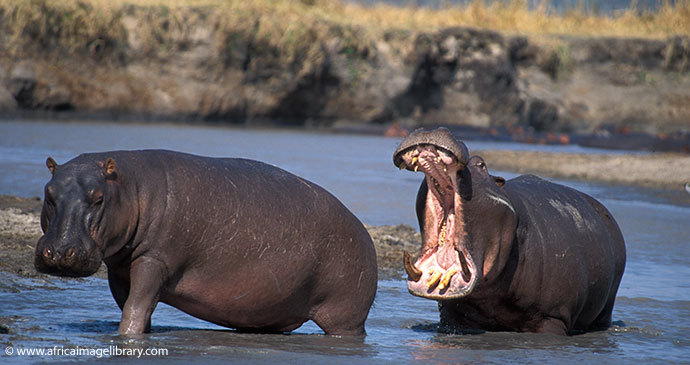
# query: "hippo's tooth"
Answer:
x=431 y=270
x=416 y=167
x=434 y=279
x=438 y=159
x=414 y=273
x=442 y=235
x=466 y=274
x=438 y=187
x=446 y=278
x=414 y=160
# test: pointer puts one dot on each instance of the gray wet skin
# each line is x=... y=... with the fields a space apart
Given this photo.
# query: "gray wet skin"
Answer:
x=235 y=242
x=521 y=255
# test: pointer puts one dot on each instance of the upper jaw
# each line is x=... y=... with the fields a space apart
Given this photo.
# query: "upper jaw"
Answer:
x=445 y=270
x=440 y=138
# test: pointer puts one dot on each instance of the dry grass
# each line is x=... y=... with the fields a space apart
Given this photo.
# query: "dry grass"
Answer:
x=514 y=17
x=292 y=27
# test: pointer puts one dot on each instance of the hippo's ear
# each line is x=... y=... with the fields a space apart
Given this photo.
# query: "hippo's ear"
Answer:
x=51 y=164
x=500 y=181
x=110 y=169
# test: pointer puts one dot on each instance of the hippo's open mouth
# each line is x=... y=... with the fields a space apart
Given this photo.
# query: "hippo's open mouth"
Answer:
x=445 y=269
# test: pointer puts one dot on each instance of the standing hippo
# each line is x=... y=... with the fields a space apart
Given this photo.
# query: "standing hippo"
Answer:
x=523 y=255
x=232 y=241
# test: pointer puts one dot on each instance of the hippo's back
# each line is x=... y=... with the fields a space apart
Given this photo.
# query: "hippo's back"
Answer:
x=580 y=246
x=239 y=194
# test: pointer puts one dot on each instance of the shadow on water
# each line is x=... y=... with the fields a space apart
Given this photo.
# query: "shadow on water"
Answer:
x=190 y=340
x=91 y=327
x=95 y=327
x=530 y=347
x=449 y=337
x=440 y=329
x=203 y=340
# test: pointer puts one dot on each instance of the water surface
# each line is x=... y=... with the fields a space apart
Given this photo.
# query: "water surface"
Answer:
x=652 y=313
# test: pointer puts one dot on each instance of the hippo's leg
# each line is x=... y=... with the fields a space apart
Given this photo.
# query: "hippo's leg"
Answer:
x=336 y=319
x=603 y=321
x=554 y=326
x=119 y=289
x=147 y=278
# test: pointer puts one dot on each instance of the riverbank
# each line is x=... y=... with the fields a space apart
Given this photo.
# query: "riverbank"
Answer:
x=666 y=171
x=324 y=63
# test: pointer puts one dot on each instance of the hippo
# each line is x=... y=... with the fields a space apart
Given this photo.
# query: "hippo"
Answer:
x=232 y=241
x=523 y=255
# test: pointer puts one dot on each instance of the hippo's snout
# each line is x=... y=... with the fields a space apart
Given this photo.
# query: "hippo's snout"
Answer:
x=53 y=257
x=67 y=260
x=441 y=139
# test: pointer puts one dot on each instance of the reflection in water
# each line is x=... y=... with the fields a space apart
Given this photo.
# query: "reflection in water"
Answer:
x=490 y=347
x=191 y=341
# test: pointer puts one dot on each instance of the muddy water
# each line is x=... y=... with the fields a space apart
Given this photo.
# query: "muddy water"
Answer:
x=652 y=313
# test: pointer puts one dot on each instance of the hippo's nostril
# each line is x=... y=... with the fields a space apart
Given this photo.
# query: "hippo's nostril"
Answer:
x=48 y=253
x=70 y=252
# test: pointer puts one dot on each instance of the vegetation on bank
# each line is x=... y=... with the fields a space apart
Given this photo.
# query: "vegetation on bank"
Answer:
x=292 y=27
x=515 y=17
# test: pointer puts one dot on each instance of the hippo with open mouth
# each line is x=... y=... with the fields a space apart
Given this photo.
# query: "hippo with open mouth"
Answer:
x=521 y=255
x=232 y=241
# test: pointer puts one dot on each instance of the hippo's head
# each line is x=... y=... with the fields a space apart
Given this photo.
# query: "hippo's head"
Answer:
x=467 y=221
x=74 y=219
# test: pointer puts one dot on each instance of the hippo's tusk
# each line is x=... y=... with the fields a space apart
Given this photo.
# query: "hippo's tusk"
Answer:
x=414 y=273
x=434 y=279
x=466 y=274
x=445 y=280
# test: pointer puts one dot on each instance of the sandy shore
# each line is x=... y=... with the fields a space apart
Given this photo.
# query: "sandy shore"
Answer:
x=20 y=217
x=668 y=171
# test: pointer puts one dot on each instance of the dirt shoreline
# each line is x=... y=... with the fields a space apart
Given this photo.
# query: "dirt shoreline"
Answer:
x=666 y=171
x=20 y=217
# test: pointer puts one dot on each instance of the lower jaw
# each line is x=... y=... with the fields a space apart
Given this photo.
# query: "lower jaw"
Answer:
x=67 y=272
x=413 y=288
x=438 y=283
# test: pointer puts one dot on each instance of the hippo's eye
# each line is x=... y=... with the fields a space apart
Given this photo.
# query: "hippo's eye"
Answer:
x=50 y=204
x=48 y=193
x=97 y=198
